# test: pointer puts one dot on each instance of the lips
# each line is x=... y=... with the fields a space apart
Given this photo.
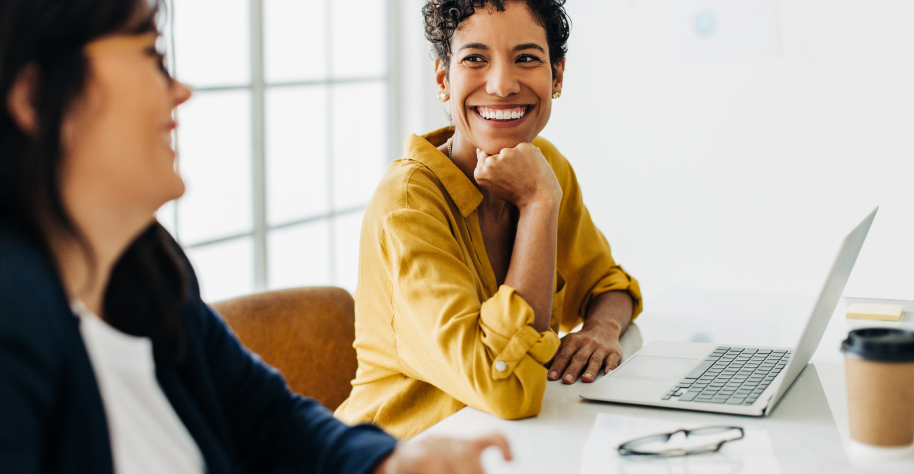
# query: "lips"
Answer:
x=501 y=116
x=166 y=134
x=490 y=113
x=501 y=112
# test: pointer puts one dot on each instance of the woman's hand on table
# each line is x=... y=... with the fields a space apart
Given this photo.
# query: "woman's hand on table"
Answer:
x=596 y=346
x=435 y=454
x=519 y=175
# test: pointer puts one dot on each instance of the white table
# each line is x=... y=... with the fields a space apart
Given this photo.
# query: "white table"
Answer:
x=806 y=433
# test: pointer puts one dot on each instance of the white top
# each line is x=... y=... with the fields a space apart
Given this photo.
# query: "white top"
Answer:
x=147 y=436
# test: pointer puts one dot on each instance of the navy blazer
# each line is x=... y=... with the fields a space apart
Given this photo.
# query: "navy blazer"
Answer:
x=239 y=410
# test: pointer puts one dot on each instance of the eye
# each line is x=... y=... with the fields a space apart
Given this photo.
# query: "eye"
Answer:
x=159 y=58
x=474 y=58
x=528 y=58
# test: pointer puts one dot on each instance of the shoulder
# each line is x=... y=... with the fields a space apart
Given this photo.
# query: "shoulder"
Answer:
x=22 y=260
x=31 y=294
x=408 y=184
x=39 y=336
x=559 y=163
x=548 y=149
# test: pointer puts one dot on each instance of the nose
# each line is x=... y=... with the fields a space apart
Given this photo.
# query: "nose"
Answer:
x=181 y=92
x=501 y=81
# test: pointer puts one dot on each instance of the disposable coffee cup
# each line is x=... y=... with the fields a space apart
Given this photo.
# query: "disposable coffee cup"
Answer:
x=879 y=363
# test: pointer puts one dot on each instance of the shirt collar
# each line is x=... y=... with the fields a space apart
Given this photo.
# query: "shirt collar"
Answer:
x=424 y=150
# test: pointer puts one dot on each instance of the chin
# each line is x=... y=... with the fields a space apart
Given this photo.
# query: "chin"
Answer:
x=495 y=146
x=177 y=188
x=170 y=190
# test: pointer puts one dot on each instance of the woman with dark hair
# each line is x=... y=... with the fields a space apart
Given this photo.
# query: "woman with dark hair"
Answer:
x=109 y=360
x=476 y=247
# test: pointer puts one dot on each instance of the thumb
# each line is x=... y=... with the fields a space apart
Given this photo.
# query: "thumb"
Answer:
x=481 y=155
x=494 y=439
x=480 y=164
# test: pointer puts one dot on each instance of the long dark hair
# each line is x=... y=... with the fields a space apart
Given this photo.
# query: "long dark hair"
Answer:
x=148 y=285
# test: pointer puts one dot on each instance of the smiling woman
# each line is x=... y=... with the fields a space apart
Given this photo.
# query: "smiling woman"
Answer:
x=109 y=359
x=476 y=247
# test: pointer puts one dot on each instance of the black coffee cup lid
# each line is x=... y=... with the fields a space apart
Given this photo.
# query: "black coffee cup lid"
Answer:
x=880 y=344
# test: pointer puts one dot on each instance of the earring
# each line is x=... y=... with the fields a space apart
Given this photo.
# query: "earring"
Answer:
x=442 y=96
x=556 y=95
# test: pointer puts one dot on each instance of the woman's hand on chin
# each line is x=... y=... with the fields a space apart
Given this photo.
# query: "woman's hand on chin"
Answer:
x=519 y=175
x=434 y=454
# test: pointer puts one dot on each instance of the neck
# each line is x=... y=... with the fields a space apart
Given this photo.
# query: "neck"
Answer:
x=463 y=154
x=85 y=267
x=83 y=272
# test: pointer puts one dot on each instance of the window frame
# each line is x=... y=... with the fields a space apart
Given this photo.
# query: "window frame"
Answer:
x=258 y=87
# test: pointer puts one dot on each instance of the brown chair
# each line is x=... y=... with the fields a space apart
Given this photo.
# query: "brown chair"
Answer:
x=306 y=333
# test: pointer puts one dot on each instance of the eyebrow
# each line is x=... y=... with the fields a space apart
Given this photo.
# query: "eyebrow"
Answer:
x=519 y=47
x=524 y=46
x=474 y=46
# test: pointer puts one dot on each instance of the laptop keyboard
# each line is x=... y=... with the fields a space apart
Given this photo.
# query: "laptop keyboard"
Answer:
x=731 y=375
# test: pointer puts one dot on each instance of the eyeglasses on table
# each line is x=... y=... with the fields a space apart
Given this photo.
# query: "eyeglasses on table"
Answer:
x=703 y=440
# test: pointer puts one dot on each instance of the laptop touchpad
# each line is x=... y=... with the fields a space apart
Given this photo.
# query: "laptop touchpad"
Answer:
x=643 y=377
x=654 y=368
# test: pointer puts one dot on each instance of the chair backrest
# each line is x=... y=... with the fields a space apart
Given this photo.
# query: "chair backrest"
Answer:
x=306 y=333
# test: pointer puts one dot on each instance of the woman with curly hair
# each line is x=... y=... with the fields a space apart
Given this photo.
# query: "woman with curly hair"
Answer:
x=476 y=247
x=109 y=360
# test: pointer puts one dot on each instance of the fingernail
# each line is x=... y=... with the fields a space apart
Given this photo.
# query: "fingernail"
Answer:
x=553 y=375
x=569 y=378
x=588 y=375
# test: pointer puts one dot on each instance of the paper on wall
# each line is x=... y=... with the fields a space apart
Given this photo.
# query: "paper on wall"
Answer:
x=725 y=30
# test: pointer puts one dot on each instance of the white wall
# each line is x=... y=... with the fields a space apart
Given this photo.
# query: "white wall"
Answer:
x=743 y=175
x=420 y=111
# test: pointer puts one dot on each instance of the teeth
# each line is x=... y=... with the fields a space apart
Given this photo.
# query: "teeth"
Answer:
x=501 y=114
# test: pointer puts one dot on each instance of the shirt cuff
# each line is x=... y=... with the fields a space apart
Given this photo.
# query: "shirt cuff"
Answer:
x=618 y=281
x=507 y=325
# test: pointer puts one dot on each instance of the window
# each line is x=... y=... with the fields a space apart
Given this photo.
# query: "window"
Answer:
x=284 y=140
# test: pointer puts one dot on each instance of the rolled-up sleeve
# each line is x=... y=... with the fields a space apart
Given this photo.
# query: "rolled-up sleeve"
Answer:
x=512 y=344
x=482 y=351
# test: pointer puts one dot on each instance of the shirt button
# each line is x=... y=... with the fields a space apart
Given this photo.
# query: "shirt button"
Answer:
x=501 y=366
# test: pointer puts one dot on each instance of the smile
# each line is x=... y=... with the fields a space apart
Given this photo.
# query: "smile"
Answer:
x=501 y=114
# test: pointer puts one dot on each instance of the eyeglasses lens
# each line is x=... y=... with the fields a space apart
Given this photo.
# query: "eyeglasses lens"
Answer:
x=697 y=441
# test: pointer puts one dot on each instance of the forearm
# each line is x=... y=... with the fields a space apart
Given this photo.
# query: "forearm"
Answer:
x=532 y=270
x=610 y=311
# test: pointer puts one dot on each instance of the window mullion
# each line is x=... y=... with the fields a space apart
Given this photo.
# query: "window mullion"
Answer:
x=258 y=140
x=331 y=251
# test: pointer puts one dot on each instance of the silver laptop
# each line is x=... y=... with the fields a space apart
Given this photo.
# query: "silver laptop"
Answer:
x=724 y=378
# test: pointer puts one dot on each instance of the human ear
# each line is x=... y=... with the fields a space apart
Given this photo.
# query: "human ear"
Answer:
x=20 y=101
x=558 y=76
x=441 y=82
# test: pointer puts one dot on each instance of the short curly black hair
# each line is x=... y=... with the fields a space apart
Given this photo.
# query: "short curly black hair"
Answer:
x=442 y=17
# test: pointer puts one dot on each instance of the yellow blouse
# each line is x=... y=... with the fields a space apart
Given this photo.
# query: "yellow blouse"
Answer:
x=433 y=331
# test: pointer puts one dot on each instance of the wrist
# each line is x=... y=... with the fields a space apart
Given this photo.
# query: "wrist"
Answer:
x=607 y=326
x=540 y=204
x=386 y=464
x=382 y=468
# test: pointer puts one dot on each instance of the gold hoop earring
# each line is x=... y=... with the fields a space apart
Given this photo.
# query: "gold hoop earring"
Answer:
x=442 y=96
x=556 y=95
